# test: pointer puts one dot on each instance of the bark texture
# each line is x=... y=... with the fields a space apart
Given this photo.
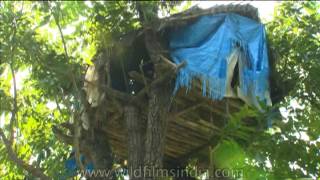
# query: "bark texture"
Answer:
x=136 y=138
x=158 y=109
x=159 y=104
x=101 y=154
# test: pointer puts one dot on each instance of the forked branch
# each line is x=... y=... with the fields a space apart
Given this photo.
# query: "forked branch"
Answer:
x=14 y=157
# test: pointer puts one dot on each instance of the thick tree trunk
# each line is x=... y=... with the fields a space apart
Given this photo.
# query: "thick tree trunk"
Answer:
x=136 y=138
x=158 y=109
x=96 y=141
x=159 y=104
x=146 y=144
x=101 y=154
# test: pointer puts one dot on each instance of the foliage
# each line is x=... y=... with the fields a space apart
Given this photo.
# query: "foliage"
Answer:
x=289 y=147
x=294 y=36
x=45 y=46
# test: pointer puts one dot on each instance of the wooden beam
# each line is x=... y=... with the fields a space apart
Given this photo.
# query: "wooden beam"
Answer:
x=188 y=109
x=117 y=94
x=196 y=151
x=167 y=61
x=138 y=77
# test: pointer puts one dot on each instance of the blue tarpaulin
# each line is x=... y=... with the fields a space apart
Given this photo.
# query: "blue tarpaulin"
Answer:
x=72 y=167
x=207 y=44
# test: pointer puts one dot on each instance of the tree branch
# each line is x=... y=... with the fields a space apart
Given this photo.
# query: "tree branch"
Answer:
x=138 y=77
x=166 y=60
x=58 y=106
x=77 y=124
x=15 y=107
x=61 y=136
x=61 y=35
x=67 y=125
x=37 y=172
x=159 y=81
x=19 y=162
x=144 y=79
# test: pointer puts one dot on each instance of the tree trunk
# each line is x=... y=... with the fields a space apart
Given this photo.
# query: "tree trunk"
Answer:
x=97 y=142
x=157 y=124
x=101 y=154
x=136 y=138
x=158 y=109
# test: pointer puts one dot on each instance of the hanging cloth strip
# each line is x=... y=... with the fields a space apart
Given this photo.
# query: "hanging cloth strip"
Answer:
x=209 y=44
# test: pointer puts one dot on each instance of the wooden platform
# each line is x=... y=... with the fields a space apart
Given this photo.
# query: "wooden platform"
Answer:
x=195 y=123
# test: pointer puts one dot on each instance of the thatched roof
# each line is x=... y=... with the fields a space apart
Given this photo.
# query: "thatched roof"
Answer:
x=195 y=120
x=194 y=12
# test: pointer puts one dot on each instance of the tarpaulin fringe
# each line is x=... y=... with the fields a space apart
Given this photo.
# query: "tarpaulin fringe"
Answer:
x=209 y=44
